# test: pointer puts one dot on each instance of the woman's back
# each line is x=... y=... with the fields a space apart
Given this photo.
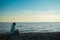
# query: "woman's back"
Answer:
x=13 y=28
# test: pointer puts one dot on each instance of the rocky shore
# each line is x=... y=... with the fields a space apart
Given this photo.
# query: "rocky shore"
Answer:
x=30 y=36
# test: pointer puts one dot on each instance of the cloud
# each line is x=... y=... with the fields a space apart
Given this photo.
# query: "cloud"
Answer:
x=31 y=18
x=31 y=12
x=46 y=12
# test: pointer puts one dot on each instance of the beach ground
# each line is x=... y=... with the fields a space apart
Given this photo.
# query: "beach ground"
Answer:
x=31 y=36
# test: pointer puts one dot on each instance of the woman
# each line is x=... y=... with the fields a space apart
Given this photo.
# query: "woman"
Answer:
x=13 y=28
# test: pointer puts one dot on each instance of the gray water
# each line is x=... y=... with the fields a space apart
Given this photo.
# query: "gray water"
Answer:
x=31 y=26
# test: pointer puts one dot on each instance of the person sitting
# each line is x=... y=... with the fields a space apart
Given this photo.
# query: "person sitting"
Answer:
x=13 y=30
x=13 y=27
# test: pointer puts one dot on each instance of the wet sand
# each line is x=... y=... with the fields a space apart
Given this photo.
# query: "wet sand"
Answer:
x=31 y=36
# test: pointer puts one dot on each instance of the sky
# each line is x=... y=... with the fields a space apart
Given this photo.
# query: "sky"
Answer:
x=29 y=10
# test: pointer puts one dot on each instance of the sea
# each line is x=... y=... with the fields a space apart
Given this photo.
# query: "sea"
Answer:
x=26 y=27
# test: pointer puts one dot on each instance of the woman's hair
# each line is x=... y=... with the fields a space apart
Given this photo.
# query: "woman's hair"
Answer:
x=14 y=23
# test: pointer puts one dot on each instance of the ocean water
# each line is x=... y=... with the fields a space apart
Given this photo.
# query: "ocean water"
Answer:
x=31 y=26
